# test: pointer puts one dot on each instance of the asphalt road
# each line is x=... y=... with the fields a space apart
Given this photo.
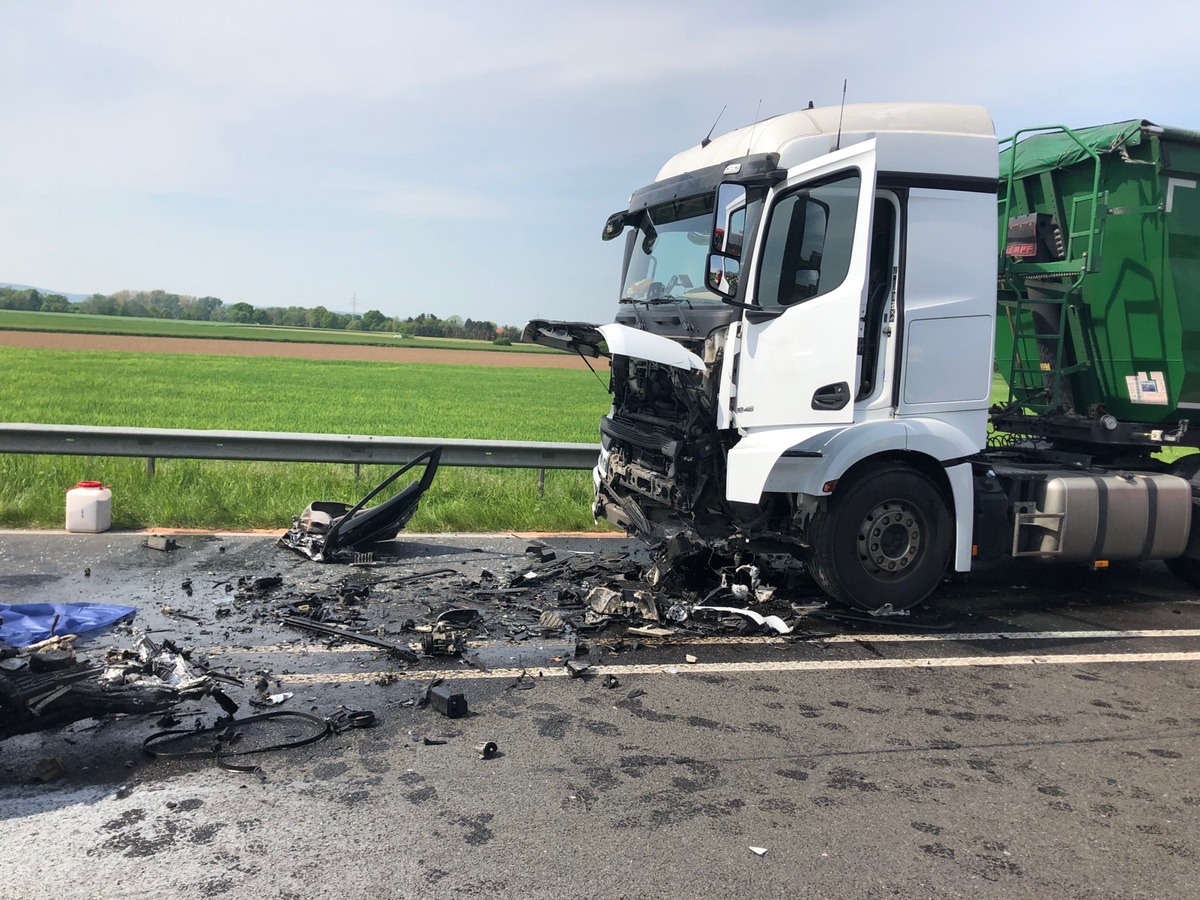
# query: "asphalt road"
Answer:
x=1033 y=736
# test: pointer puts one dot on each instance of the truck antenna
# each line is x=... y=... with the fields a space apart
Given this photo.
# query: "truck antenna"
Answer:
x=750 y=143
x=838 y=145
x=708 y=137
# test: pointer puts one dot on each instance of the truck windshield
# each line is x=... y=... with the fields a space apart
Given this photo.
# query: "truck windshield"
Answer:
x=665 y=257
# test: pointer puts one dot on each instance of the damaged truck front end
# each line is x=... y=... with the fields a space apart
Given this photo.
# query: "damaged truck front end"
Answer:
x=662 y=469
x=661 y=466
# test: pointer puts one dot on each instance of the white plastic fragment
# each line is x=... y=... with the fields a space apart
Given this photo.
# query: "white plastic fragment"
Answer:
x=759 y=851
x=775 y=623
x=671 y=670
x=691 y=659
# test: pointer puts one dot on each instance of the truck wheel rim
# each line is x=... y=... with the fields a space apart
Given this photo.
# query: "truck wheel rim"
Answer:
x=889 y=538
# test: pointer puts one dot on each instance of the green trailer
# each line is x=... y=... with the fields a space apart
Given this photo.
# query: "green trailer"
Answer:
x=1098 y=330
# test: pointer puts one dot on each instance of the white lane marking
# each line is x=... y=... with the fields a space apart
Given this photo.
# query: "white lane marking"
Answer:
x=961 y=637
x=820 y=665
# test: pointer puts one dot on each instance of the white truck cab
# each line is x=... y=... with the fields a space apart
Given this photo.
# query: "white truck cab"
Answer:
x=803 y=350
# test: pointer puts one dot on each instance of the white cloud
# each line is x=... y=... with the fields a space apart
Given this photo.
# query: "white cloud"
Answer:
x=285 y=148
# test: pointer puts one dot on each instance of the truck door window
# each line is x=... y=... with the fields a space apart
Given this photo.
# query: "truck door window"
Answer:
x=809 y=240
x=879 y=290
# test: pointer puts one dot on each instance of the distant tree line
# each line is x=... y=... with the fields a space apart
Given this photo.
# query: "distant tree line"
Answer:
x=162 y=305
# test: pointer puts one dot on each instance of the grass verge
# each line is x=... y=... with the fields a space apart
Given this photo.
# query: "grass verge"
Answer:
x=269 y=394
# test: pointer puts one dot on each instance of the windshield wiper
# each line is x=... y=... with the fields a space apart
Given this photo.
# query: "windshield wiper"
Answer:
x=671 y=299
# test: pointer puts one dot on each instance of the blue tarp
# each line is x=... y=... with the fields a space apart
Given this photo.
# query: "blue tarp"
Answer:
x=22 y=624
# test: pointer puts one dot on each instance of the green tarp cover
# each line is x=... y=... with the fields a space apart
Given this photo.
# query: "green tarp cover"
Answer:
x=1056 y=150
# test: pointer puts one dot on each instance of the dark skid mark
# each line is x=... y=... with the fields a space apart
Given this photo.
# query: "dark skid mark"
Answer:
x=478 y=833
x=138 y=846
x=779 y=805
x=794 y=774
x=422 y=795
x=205 y=833
x=939 y=850
x=327 y=771
x=127 y=818
x=554 y=727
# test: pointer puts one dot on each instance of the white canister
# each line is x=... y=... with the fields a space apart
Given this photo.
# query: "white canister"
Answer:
x=89 y=507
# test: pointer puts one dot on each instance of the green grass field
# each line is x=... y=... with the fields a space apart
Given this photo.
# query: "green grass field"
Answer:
x=77 y=323
x=270 y=394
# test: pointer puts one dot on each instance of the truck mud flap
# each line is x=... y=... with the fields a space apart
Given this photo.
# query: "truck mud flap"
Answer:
x=334 y=532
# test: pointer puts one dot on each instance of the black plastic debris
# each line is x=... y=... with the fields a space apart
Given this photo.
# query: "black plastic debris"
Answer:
x=524 y=682
x=345 y=719
x=460 y=617
x=453 y=706
x=161 y=542
x=333 y=532
x=49 y=769
x=231 y=738
x=611 y=681
x=333 y=631
x=428 y=693
x=577 y=670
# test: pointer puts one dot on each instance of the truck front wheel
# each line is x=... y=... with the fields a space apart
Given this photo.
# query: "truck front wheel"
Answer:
x=884 y=538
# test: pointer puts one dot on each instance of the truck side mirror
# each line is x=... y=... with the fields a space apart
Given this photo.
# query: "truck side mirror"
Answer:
x=729 y=220
x=721 y=275
x=615 y=225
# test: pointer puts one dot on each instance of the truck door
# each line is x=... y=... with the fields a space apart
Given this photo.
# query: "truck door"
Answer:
x=798 y=360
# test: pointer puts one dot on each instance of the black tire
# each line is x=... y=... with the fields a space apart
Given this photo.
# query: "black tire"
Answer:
x=884 y=538
x=1187 y=567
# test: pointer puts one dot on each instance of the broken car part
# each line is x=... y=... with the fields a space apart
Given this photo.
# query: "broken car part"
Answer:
x=575 y=670
x=218 y=741
x=487 y=749
x=453 y=706
x=443 y=640
x=775 y=623
x=632 y=604
x=332 y=532
x=321 y=628
x=149 y=680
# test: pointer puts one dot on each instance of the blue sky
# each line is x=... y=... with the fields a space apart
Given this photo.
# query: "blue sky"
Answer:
x=462 y=158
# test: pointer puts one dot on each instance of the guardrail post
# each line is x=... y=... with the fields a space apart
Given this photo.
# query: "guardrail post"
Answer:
x=541 y=483
x=149 y=466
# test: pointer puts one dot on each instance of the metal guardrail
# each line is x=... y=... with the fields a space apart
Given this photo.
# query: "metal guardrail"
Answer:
x=273 y=446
